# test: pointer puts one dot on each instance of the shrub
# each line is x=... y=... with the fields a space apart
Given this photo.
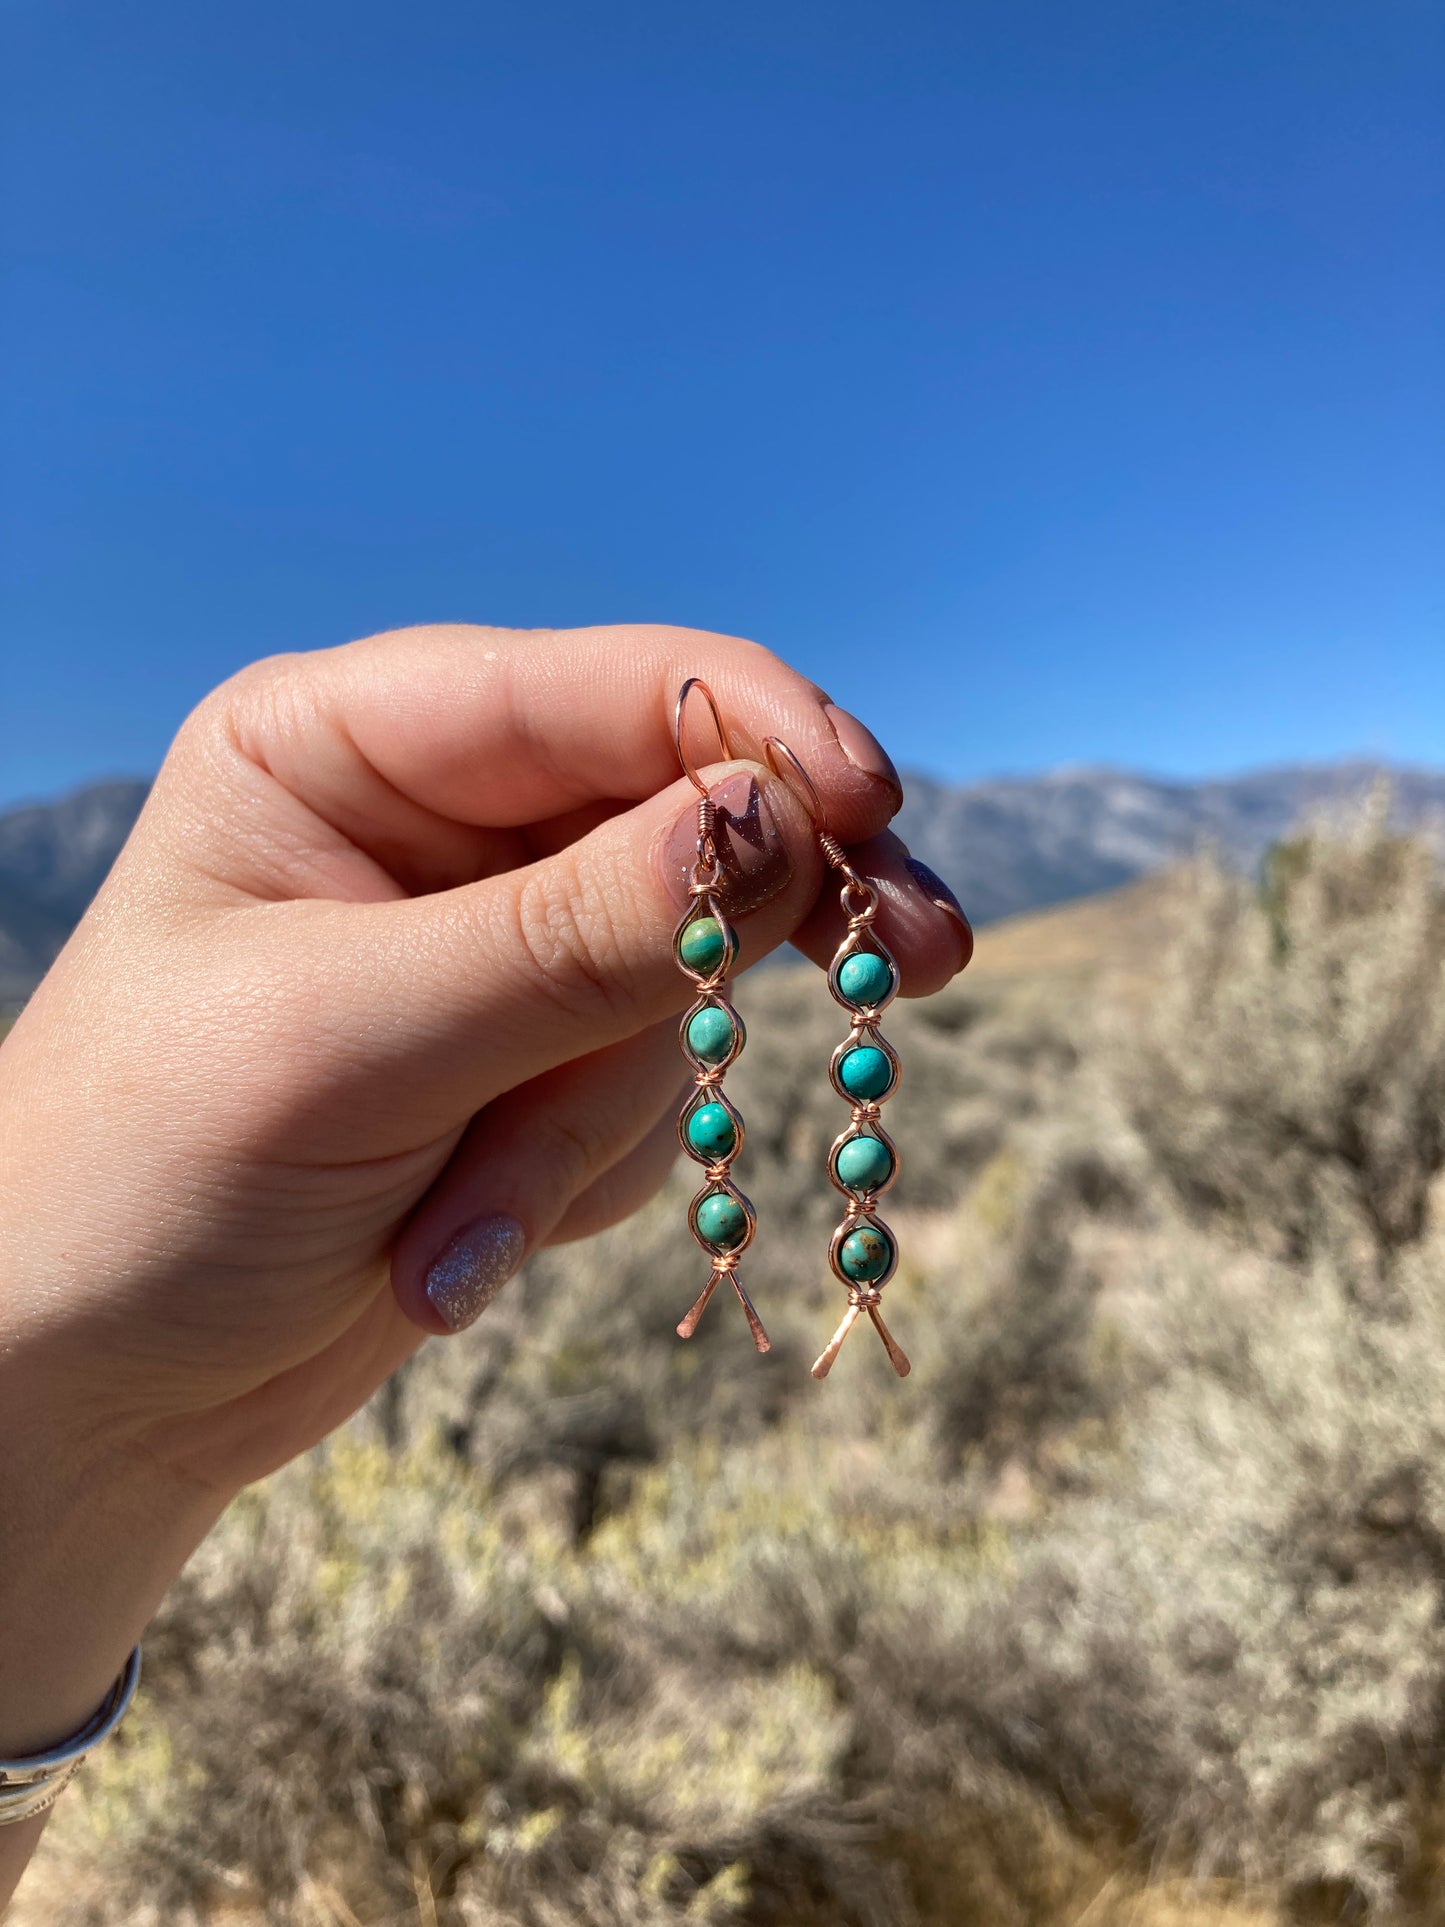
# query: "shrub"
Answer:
x=1291 y=1077
x=1128 y=1606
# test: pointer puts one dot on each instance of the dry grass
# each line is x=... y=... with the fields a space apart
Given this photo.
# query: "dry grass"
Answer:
x=1116 y=936
x=1126 y=1610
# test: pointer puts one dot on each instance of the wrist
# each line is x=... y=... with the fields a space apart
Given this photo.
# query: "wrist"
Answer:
x=92 y=1532
x=32 y=1783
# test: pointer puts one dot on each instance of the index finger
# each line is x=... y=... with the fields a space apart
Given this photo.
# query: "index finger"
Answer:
x=498 y=727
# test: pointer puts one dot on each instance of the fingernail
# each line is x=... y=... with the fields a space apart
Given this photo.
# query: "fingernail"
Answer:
x=756 y=863
x=938 y=893
x=480 y=1259
x=863 y=749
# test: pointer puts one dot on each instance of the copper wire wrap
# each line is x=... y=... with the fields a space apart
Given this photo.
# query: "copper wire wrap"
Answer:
x=708 y=1076
x=859 y=899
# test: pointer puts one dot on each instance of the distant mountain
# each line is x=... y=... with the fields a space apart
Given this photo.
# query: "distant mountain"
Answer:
x=1024 y=843
x=52 y=859
x=1006 y=846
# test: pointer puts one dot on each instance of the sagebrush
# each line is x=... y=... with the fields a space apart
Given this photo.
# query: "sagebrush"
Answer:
x=1129 y=1605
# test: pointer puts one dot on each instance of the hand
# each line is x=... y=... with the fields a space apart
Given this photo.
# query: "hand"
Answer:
x=383 y=978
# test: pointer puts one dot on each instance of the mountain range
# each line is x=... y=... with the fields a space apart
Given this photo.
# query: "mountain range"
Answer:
x=1007 y=846
x=53 y=856
x=1024 y=843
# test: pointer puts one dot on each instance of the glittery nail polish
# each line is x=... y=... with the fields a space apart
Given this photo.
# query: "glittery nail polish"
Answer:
x=755 y=860
x=478 y=1261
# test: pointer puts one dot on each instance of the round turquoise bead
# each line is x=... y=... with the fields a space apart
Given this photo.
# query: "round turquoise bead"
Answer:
x=865 y=1254
x=863 y=1163
x=865 y=1073
x=710 y=1034
x=721 y=1221
x=864 y=980
x=703 y=945
x=711 y=1131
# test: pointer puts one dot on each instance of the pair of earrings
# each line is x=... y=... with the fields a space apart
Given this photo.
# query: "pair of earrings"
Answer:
x=863 y=978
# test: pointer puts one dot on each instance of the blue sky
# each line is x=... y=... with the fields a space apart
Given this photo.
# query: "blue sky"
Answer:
x=1056 y=383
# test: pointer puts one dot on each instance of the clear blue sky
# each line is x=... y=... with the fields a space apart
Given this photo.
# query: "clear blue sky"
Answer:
x=1056 y=382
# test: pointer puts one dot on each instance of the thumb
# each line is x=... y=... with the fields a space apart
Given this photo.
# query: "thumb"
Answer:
x=486 y=986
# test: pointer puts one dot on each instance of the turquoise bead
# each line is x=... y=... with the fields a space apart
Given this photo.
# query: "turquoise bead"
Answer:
x=703 y=945
x=865 y=1254
x=721 y=1221
x=710 y=1034
x=865 y=1073
x=864 y=980
x=711 y=1132
x=864 y=1163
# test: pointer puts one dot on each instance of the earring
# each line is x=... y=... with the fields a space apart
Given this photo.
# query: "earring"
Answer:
x=710 y=1128
x=865 y=1072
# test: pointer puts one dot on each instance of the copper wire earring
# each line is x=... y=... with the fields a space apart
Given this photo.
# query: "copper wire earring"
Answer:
x=710 y=1128
x=865 y=1072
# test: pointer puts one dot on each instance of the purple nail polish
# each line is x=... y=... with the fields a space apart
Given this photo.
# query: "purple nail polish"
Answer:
x=938 y=893
x=863 y=749
x=480 y=1259
x=755 y=860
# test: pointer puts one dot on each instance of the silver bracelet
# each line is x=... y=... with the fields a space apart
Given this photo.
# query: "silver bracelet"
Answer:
x=32 y=1785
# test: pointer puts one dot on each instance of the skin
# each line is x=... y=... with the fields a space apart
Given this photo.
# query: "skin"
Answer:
x=389 y=947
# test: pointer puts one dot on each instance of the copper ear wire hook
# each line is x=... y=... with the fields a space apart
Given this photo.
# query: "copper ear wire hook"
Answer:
x=806 y=791
x=808 y=795
x=709 y=872
x=697 y=683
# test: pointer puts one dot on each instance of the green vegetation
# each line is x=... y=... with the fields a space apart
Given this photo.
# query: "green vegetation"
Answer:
x=1127 y=1608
